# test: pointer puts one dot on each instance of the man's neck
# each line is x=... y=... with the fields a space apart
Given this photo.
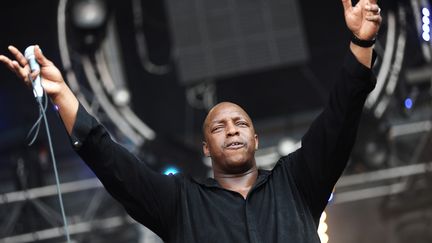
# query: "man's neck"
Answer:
x=241 y=182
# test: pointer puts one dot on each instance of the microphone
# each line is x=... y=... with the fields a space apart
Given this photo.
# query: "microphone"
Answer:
x=34 y=66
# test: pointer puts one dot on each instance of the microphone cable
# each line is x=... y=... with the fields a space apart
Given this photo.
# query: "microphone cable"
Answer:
x=35 y=128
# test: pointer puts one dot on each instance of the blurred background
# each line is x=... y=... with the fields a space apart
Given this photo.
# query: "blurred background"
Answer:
x=150 y=70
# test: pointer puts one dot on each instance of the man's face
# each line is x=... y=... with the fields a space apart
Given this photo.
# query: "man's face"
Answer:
x=230 y=138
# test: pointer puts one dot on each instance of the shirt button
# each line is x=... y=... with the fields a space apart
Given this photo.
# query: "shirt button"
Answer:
x=76 y=144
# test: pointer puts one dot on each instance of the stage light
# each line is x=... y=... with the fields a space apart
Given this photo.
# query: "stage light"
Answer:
x=89 y=14
x=426 y=24
x=426 y=28
x=322 y=228
x=171 y=171
x=408 y=103
x=287 y=146
x=425 y=20
x=426 y=12
x=331 y=197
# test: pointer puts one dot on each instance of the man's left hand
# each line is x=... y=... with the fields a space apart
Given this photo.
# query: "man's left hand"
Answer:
x=363 y=19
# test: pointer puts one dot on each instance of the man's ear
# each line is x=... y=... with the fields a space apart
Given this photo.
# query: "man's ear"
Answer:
x=206 y=150
x=256 y=141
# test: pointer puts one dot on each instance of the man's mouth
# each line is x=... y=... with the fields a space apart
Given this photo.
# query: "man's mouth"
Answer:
x=235 y=145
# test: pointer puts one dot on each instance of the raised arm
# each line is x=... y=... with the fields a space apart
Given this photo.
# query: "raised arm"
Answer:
x=149 y=197
x=327 y=145
x=52 y=82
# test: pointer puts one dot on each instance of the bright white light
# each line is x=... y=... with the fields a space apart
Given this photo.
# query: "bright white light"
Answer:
x=323 y=216
x=426 y=12
x=426 y=23
x=426 y=20
x=426 y=36
x=426 y=28
x=171 y=171
x=287 y=145
x=89 y=14
x=324 y=238
x=322 y=228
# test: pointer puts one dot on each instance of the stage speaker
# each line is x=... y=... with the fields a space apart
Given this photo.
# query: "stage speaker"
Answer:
x=220 y=38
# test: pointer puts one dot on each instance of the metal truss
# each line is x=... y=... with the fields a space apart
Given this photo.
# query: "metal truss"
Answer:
x=31 y=214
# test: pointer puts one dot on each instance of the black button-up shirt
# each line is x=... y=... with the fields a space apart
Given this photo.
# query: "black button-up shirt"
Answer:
x=283 y=206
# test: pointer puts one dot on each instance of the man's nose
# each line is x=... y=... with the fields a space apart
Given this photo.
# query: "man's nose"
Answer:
x=232 y=129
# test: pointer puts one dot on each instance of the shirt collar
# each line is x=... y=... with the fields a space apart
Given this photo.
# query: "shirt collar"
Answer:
x=210 y=182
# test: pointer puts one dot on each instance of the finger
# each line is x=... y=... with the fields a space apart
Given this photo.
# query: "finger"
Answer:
x=18 y=55
x=7 y=62
x=374 y=8
x=374 y=18
x=347 y=5
x=20 y=71
x=41 y=59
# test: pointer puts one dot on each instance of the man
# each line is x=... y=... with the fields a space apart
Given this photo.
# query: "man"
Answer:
x=241 y=203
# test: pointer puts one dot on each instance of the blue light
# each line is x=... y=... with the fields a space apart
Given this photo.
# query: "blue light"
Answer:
x=171 y=171
x=408 y=103
x=331 y=197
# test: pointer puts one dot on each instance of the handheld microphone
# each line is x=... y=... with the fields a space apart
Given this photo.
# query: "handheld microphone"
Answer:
x=34 y=66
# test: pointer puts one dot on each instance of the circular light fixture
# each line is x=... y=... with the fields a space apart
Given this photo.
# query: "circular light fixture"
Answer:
x=89 y=14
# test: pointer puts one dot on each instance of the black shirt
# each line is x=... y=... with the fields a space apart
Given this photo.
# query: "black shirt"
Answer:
x=283 y=206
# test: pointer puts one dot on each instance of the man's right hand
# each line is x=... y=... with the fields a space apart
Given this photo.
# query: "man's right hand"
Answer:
x=52 y=82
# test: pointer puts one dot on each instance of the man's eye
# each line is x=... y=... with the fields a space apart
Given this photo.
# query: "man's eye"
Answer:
x=241 y=123
x=215 y=129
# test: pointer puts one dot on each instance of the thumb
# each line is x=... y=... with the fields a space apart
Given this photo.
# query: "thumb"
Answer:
x=41 y=59
x=347 y=5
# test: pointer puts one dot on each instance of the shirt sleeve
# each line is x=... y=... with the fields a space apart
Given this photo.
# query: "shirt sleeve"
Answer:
x=149 y=197
x=327 y=145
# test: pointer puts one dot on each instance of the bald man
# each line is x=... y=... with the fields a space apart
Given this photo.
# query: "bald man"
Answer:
x=241 y=203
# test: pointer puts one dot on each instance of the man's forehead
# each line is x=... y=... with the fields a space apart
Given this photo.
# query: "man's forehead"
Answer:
x=225 y=110
x=227 y=115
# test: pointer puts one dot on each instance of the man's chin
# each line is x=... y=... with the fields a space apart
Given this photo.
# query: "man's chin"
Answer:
x=239 y=165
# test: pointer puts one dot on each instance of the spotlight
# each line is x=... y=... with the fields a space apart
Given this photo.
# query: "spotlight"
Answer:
x=426 y=36
x=331 y=197
x=89 y=14
x=288 y=145
x=426 y=12
x=426 y=24
x=171 y=171
x=408 y=103
x=322 y=228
